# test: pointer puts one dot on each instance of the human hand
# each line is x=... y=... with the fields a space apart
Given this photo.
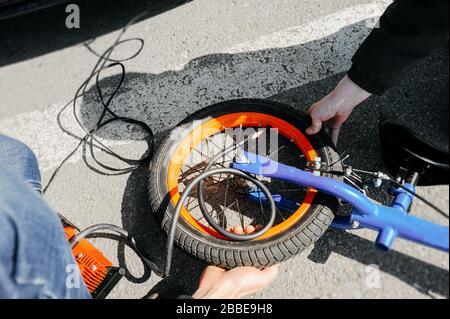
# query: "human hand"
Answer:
x=218 y=283
x=335 y=108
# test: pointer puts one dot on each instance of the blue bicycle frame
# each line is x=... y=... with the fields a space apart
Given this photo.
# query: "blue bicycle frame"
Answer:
x=389 y=222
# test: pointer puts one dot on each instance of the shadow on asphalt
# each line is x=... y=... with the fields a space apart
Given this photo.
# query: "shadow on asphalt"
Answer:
x=420 y=104
x=424 y=277
x=27 y=36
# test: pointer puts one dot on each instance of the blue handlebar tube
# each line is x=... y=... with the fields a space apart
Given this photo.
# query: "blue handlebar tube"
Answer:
x=389 y=222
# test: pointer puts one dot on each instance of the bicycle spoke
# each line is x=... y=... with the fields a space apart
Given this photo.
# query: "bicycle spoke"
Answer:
x=291 y=190
x=226 y=193
x=221 y=213
x=276 y=151
x=241 y=216
x=221 y=148
x=192 y=199
x=294 y=158
x=260 y=202
x=280 y=213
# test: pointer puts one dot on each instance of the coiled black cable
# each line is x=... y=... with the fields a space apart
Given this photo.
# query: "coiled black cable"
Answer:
x=90 y=138
x=261 y=186
x=92 y=142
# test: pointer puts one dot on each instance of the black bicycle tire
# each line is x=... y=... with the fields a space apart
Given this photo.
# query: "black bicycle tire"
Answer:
x=257 y=253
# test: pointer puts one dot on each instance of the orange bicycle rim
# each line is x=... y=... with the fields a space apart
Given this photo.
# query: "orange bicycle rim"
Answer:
x=216 y=125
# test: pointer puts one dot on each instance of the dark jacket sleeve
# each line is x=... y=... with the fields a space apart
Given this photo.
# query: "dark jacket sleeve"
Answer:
x=408 y=31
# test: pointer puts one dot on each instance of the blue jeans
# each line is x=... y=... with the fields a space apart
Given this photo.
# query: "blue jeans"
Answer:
x=36 y=260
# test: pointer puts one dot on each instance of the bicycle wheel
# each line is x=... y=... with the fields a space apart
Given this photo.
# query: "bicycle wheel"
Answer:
x=231 y=202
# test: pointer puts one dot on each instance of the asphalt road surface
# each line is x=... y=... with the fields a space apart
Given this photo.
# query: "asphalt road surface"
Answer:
x=194 y=55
